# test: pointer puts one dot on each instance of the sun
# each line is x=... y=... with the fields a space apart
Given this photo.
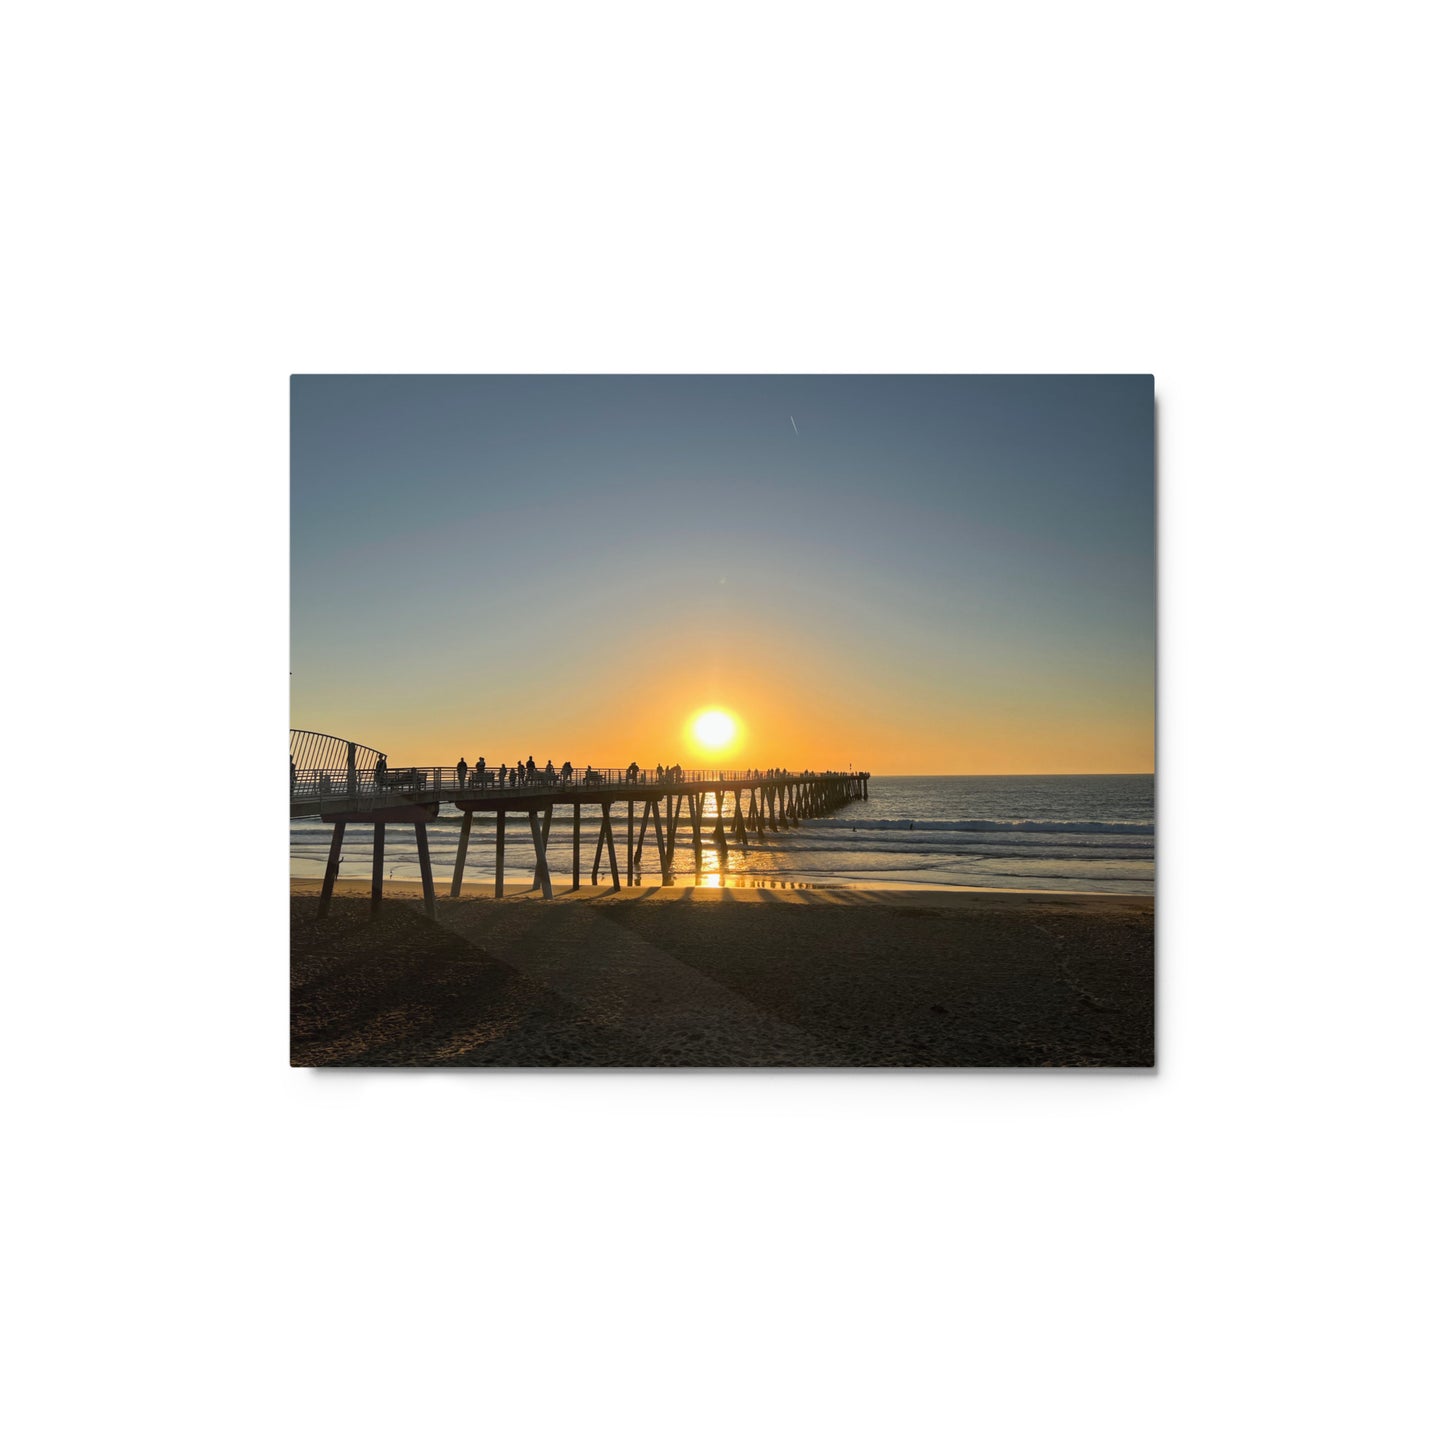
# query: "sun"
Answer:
x=714 y=729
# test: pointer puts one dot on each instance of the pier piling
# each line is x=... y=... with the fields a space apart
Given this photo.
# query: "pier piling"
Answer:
x=461 y=854
x=542 y=875
x=333 y=866
x=423 y=858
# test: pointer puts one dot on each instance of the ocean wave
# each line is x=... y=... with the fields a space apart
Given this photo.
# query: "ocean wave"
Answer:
x=981 y=825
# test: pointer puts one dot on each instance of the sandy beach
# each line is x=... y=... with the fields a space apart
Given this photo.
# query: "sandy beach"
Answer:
x=711 y=977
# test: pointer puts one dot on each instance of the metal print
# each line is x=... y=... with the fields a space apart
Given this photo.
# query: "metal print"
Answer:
x=722 y=721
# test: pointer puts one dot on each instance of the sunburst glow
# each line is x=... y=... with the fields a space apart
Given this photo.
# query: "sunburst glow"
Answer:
x=714 y=728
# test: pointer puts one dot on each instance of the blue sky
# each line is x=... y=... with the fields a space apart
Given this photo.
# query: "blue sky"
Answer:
x=947 y=574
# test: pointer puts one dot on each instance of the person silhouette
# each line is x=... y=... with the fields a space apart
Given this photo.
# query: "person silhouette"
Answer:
x=461 y=772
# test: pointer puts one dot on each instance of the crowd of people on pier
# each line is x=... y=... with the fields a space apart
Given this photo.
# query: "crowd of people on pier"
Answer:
x=479 y=776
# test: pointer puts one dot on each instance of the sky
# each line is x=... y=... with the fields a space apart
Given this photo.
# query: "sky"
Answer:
x=905 y=574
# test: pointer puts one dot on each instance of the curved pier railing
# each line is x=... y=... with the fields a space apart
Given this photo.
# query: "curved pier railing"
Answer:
x=327 y=771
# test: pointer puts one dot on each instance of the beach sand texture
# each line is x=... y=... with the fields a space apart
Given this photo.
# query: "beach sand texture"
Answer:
x=709 y=977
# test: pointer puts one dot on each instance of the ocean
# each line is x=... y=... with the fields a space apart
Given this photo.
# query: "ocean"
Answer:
x=1092 y=833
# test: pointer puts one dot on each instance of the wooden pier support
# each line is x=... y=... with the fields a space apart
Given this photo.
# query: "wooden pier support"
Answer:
x=604 y=836
x=772 y=802
x=649 y=810
x=611 y=845
x=541 y=869
x=462 y=853
x=664 y=852
x=539 y=842
x=378 y=852
x=674 y=812
x=333 y=867
x=423 y=857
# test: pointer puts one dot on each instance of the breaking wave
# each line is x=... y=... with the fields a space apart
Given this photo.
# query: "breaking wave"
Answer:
x=982 y=825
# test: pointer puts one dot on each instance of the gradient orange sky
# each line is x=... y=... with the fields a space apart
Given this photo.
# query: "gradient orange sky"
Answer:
x=908 y=575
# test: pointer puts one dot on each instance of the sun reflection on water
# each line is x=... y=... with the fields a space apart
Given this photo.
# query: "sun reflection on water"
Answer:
x=734 y=880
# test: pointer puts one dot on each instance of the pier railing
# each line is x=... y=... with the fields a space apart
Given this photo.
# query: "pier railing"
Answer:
x=331 y=775
x=335 y=784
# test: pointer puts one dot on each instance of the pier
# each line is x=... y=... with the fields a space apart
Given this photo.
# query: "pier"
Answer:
x=346 y=783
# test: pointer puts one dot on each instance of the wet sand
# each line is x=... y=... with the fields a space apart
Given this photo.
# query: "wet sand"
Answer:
x=710 y=977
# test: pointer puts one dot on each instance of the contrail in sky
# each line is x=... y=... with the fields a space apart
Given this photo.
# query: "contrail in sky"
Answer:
x=795 y=426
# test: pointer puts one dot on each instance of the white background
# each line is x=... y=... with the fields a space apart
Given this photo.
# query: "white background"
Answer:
x=208 y=1246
